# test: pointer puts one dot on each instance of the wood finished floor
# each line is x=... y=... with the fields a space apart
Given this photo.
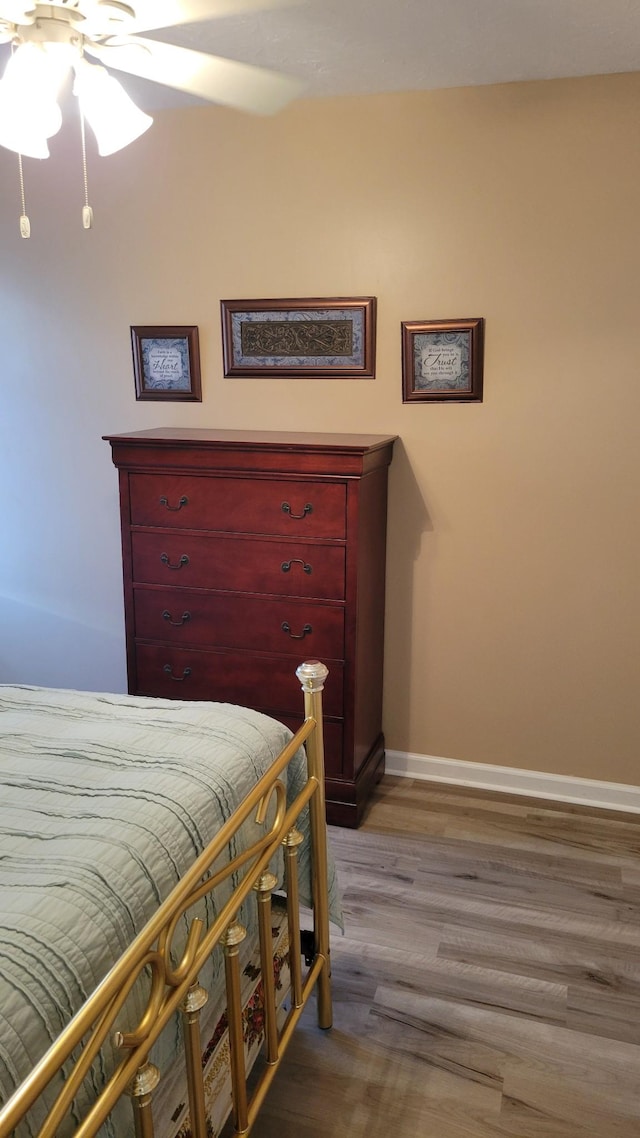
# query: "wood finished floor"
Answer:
x=488 y=982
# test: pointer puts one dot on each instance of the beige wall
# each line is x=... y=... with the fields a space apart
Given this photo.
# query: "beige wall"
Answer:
x=512 y=616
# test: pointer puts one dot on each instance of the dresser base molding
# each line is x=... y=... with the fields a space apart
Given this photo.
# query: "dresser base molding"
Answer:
x=511 y=780
x=346 y=799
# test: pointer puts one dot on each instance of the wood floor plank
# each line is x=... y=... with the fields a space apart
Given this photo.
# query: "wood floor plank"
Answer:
x=585 y=967
x=488 y=982
x=544 y=1050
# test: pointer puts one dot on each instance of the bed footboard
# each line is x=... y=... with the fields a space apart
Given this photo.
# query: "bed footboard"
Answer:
x=171 y=973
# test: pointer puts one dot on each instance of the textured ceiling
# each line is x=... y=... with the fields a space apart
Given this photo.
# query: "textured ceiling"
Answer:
x=347 y=47
x=342 y=47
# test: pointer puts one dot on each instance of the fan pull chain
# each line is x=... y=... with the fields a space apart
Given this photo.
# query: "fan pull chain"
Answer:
x=25 y=224
x=87 y=212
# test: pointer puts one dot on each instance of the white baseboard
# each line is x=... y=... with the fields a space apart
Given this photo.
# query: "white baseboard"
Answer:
x=510 y=780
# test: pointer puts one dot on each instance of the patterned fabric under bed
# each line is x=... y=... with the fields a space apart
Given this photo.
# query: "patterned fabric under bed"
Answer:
x=105 y=801
x=170 y=1105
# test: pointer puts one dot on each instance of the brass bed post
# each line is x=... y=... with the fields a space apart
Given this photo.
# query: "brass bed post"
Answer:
x=230 y=941
x=293 y=839
x=140 y=1089
x=191 y=1007
x=312 y=676
x=264 y=886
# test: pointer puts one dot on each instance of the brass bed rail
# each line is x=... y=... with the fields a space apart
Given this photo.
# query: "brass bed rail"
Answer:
x=175 y=987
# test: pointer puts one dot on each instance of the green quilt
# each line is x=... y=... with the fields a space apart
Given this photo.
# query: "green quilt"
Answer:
x=105 y=801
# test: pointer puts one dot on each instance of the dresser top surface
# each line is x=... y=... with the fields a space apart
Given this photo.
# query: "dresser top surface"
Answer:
x=279 y=440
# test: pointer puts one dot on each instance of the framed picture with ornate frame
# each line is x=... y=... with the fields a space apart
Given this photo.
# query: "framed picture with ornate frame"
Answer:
x=166 y=363
x=318 y=338
x=442 y=360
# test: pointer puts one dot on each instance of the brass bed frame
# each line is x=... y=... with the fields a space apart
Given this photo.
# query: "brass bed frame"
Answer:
x=175 y=987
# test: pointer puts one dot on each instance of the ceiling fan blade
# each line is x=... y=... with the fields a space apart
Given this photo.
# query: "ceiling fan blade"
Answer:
x=239 y=85
x=17 y=11
x=169 y=13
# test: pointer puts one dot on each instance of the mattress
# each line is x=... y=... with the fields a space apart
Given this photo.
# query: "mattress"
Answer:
x=105 y=801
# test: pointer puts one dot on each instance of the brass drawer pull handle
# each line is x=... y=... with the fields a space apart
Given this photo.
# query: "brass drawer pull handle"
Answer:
x=286 y=565
x=176 y=623
x=183 y=501
x=168 y=669
x=286 y=509
x=184 y=560
x=286 y=627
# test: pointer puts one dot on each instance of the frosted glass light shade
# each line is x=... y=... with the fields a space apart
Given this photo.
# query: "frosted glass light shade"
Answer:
x=112 y=115
x=21 y=138
x=29 y=113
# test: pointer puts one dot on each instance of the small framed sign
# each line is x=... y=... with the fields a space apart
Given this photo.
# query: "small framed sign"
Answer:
x=166 y=363
x=442 y=360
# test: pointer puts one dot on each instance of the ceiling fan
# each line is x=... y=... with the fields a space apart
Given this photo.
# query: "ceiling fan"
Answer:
x=52 y=38
x=109 y=31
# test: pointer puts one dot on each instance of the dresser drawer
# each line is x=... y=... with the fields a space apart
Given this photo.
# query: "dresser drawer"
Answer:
x=228 y=677
x=239 y=564
x=239 y=505
x=214 y=620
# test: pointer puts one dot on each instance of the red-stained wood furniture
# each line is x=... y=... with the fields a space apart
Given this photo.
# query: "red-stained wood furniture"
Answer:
x=246 y=549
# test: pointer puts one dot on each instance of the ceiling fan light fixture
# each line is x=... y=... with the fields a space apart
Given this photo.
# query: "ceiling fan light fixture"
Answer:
x=113 y=117
x=23 y=137
x=60 y=58
x=26 y=126
x=29 y=113
x=36 y=71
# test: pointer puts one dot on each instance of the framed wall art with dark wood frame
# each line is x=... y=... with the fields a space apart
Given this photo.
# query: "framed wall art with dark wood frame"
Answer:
x=442 y=360
x=166 y=363
x=320 y=338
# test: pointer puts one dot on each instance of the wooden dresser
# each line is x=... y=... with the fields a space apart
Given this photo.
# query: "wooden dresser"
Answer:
x=246 y=553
